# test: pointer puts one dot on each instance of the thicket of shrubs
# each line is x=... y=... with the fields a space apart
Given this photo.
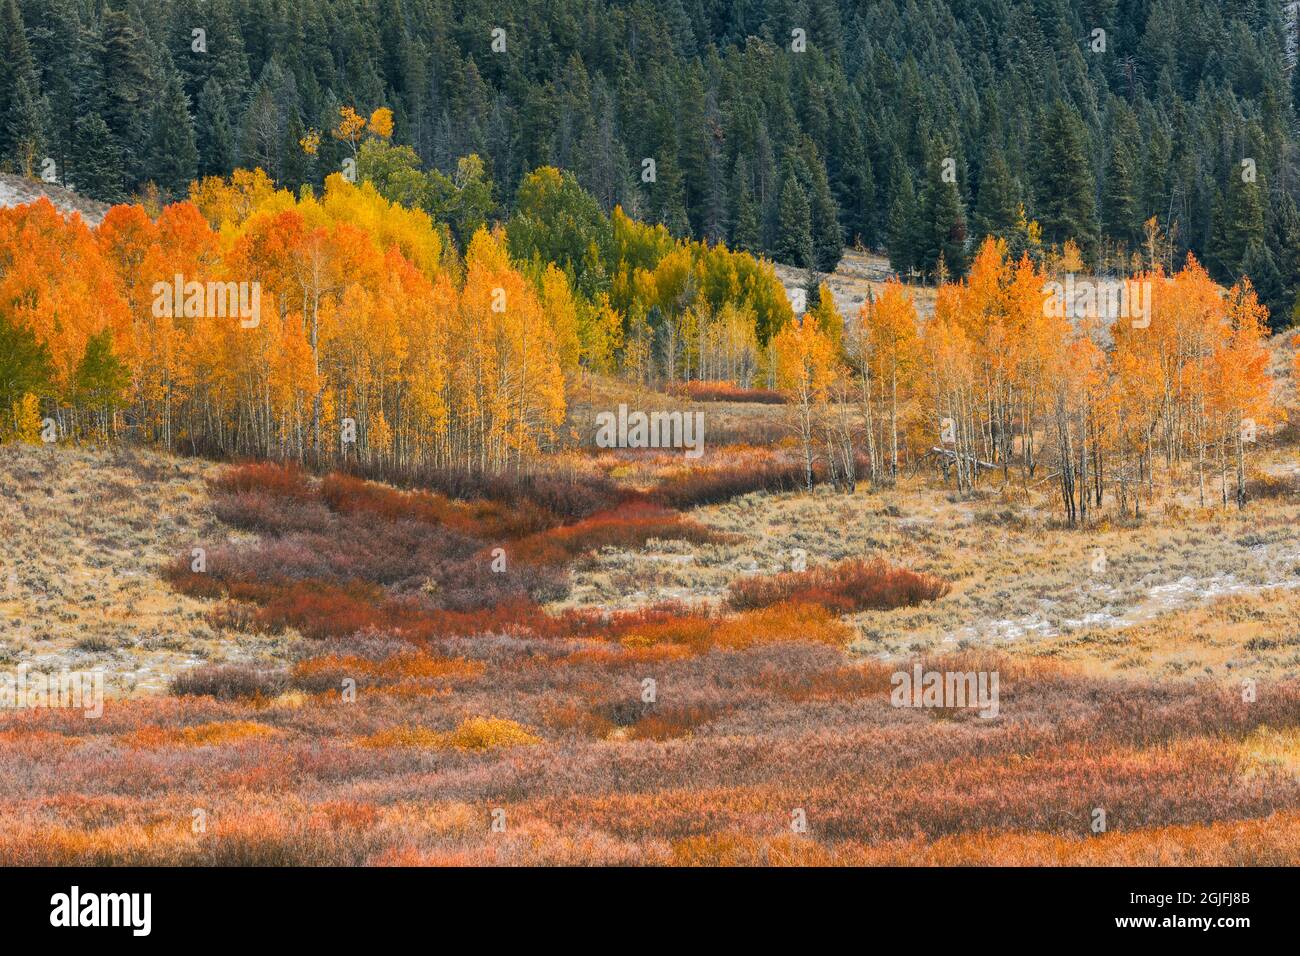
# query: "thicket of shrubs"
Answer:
x=229 y=682
x=340 y=556
x=728 y=392
x=714 y=484
x=853 y=585
x=566 y=494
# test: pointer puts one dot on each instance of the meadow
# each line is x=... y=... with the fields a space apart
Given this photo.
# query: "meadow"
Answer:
x=615 y=661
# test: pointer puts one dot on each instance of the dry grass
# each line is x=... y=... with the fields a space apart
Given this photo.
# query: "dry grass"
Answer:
x=85 y=535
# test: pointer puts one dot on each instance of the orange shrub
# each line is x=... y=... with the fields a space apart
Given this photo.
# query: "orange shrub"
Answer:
x=783 y=622
x=854 y=585
x=668 y=723
x=629 y=654
x=474 y=733
x=215 y=734
x=266 y=477
x=701 y=630
x=395 y=667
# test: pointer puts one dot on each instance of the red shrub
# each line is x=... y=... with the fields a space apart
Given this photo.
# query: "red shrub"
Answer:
x=629 y=526
x=315 y=608
x=567 y=495
x=706 y=486
x=728 y=392
x=284 y=480
x=854 y=585
x=484 y=519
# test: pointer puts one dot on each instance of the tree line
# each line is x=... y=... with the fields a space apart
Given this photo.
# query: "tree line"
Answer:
x=1004 y=381
x=787 y=128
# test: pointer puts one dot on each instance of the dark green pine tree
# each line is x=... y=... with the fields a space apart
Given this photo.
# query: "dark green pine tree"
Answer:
x=1121 y=216
x=794 y=240
x=666 y=194
x=995 y=205
x=55 y=48
x=1295 y=88
x=1157 y=159
x=1282 y=240
x=215 y=137
x=21 y=108
x=1265 y=276
x=173 y=156
x=902 y=227
x=24 y=127
x=854 y=182
x=746 y=232
x=98 y=168
x=229 y=59
x=827 y=235
x=1237 y=220
x=943 y=222
x=693 y=147
x=1066 y=207
x=127 y=93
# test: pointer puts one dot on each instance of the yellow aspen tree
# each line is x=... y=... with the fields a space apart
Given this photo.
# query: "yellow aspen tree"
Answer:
x=805 y=372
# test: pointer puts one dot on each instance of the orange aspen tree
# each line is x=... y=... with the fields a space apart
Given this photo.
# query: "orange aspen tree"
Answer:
x=1240 y=386
x=893 y=346
x=805 y=371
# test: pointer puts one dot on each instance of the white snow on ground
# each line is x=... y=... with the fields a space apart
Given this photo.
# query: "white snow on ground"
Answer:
x=9 y=195
x=18 y=191
x=1158 y=599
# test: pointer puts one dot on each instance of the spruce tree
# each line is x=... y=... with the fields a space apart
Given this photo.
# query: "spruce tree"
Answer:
x=97 y=171
x=1261 y=267
x=214 y=137
x=1119 y=201
x=1066 y=207
x=902 y=226
x=173 y=156
x=1282 y=239
x=127 y=92
x=995 y=204
x=745 y=230
x=1237 y=220
x=828 y=237
x=55 y=48
x=21 y=132
x=794 y=240
x=943 y=221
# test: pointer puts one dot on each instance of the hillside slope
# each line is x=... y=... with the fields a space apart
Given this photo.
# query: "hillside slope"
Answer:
x=18 y=191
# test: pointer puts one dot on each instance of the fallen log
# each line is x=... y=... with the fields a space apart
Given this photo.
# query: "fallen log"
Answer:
x=937 y=450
